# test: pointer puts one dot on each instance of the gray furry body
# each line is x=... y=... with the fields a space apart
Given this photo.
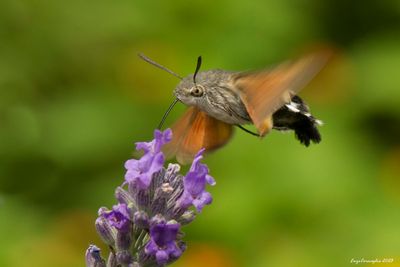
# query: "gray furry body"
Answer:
x=219 y=98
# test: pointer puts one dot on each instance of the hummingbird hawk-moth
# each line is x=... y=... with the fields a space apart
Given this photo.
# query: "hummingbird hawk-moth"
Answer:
x=218 y=99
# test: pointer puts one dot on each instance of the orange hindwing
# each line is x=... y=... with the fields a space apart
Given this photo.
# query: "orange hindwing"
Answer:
x=196 y=130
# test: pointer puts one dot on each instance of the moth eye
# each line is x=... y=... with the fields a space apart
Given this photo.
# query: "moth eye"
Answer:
x=197 y=91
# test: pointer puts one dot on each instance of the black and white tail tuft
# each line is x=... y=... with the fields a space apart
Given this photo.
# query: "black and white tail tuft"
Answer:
x=296 y=116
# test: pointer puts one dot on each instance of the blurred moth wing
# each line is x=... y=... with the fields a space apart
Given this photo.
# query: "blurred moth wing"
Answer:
x=265 y=92
x=196 y=130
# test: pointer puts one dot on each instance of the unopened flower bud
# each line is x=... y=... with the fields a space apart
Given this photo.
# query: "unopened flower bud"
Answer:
x=106 y=231
x=102 y=211
x=157 y=219
x=141 y=219
x=123 y=241
x=124 y=197
x=172 y=170
x=112 y=260
x=93 y=257
x=187 y=217
x=124 y=257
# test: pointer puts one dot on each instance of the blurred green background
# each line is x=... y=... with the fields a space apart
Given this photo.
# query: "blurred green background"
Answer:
x=74 y=97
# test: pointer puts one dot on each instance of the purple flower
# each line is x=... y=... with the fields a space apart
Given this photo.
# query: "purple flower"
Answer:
x=140 y=172
x=118 y=217
x=160 y=139
x=162 y=242
x=194 y=185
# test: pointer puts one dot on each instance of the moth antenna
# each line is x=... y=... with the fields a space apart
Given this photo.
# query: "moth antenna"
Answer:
x=167 y=112
x=247 y=131
x=148 y=60
x=197 y=69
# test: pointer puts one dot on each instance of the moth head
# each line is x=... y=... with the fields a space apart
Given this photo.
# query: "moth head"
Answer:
x=189 y=92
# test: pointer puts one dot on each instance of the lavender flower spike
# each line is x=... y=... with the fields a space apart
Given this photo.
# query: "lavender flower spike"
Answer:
x=194 y=183
x=143 y=229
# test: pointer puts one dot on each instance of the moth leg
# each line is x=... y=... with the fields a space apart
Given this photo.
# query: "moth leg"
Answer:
x=248 y=131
